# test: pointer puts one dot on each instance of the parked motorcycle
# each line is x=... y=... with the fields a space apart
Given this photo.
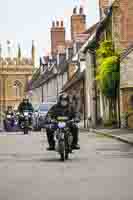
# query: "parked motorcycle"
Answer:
x=62 y=136
x=25 y=121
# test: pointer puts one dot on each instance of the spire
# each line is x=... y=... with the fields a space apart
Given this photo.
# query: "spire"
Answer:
x=33 y=53
x=0 y=50
x=9 y=47
x=19 y=52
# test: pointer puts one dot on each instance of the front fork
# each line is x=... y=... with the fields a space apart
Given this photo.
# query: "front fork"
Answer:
x=63 y=142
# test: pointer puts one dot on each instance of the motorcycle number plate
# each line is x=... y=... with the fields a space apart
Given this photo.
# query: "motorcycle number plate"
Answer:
x=61 y=124
x=8 y=116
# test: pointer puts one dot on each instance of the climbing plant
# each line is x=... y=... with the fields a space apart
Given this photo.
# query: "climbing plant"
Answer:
x=108 y=74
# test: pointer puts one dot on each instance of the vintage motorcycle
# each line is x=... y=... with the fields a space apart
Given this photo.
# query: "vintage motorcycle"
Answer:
x=9 y=122
x=62 y=136
x=25 y=121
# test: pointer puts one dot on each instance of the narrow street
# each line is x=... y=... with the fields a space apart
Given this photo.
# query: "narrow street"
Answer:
x=102 y=169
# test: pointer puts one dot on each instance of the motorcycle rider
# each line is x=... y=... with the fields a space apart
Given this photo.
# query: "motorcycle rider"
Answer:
x=62 y=108
x=25 y=105
x=10 y=112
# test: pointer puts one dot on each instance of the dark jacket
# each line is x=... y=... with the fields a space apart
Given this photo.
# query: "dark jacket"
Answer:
x=9 y=112
x=57 y=110
x=25 y=106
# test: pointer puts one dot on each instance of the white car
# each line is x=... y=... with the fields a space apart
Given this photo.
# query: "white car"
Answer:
x=40 y=113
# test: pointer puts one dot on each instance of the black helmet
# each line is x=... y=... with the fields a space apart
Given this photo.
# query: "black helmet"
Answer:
x=63 y=98
x=25 y=99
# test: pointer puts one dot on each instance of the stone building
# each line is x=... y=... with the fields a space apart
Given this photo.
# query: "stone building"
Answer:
x=117 y=25
x=126 y=88
x=14 y=75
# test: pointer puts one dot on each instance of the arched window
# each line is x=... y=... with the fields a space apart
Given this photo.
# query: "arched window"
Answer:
x=18 y=88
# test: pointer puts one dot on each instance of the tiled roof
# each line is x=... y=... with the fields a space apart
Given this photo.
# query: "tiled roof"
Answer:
x=77 y=77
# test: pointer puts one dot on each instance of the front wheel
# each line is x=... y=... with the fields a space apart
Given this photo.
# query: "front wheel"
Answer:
x=26 y=131
x=62 y=157
x=66 y=155
x=62 y=150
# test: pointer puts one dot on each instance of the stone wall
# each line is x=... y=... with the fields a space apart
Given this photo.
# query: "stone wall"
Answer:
x=126 y=86
x=13 y=79
x=123 y=23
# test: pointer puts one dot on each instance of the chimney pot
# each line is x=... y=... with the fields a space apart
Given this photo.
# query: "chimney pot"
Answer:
x=81 y=10
x=53 y=24
x=75 y=10
x=62 y=24
x=57 y=23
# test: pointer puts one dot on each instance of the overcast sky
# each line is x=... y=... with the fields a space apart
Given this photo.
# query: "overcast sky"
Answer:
x=22 y=21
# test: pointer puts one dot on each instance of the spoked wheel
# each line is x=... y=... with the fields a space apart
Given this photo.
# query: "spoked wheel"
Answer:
x=25 y=131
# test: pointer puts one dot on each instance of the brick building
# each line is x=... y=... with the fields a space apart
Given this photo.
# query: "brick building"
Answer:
x=122 y=20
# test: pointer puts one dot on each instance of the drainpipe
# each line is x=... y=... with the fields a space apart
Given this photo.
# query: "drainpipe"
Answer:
x=84 y=94
x=94 y=90
x=42 y=94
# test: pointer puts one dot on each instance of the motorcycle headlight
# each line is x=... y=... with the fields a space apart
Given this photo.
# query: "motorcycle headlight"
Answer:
x=61 y=124
x=8 y=116
x=26 y=114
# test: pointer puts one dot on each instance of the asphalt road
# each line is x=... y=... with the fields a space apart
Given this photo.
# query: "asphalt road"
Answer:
x=101 y=170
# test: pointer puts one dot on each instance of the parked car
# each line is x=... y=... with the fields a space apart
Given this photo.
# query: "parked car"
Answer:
x=40 y=113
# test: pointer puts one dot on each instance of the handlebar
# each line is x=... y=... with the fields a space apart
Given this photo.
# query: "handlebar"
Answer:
x=51 y=121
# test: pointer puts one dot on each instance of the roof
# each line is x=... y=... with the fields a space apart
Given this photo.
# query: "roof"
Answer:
x=92 y=42
x=126 y=52
x=91 y=29
x=77 y=77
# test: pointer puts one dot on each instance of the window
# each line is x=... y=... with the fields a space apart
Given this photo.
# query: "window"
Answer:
x=18 y=88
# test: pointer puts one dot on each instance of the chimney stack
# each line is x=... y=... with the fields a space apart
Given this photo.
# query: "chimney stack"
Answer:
x=78 y=22
x=57 y=37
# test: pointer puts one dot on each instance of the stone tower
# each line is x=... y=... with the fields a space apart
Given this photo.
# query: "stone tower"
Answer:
x=78 y=22
x=14 y=76
x=57 y=36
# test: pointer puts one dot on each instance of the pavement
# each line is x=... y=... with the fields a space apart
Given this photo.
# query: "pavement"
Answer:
x=124 y=135
x=101 y=170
